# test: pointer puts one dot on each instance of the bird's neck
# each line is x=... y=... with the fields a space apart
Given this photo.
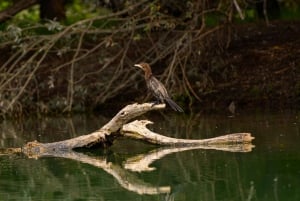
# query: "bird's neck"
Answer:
x=148 y=74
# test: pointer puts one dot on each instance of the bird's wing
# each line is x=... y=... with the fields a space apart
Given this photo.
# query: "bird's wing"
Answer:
x=157 y=89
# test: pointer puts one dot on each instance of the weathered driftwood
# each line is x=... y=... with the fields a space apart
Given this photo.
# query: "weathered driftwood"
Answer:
x=137 y=129
x=99 y=137
x=238 y=142
x=117 y=127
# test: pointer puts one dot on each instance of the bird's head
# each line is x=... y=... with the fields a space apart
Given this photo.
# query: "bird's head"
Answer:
x=143 y=66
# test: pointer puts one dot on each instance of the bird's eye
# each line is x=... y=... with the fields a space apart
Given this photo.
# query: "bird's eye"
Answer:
x=123 y=113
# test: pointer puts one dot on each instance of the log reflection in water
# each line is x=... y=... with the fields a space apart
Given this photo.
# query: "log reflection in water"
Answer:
x=125 y=178
x=141 y=163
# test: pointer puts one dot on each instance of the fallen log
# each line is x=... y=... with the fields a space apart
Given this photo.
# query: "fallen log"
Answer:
x=138 y=130
x=99 y=138
x=117 y=127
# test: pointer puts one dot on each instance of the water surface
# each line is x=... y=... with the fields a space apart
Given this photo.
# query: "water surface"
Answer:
x=271 y=171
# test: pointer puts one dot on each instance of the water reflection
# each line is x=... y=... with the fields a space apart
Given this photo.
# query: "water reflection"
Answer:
x=270 y=172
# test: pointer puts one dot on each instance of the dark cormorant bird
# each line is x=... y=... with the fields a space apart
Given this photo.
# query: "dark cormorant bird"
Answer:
x=157 y=88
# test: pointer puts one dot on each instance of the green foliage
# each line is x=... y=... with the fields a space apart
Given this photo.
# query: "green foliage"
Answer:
x=28 y=16
x=78 y=11
x=5 y=4
x=75 y=11
x=213 y=19
x=290 y=14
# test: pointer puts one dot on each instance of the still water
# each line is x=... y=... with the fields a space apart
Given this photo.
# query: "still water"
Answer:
x=271 y=171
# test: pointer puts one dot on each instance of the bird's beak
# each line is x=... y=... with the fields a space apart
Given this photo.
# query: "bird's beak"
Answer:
x=138 y=65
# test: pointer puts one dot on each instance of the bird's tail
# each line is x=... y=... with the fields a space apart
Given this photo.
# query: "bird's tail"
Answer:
x=173 y=105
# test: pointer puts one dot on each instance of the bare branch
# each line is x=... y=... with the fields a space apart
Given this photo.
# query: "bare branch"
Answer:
x=138 y=130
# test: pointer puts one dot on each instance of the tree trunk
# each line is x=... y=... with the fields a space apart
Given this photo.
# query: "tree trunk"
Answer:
x=52 y=10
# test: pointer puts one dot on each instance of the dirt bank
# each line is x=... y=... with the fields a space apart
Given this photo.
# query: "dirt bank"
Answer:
x=262 y=68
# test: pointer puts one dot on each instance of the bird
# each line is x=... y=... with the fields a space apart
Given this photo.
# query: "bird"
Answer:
x=156 y=88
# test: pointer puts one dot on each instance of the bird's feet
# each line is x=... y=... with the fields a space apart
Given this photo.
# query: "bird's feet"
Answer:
x=155 y=103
